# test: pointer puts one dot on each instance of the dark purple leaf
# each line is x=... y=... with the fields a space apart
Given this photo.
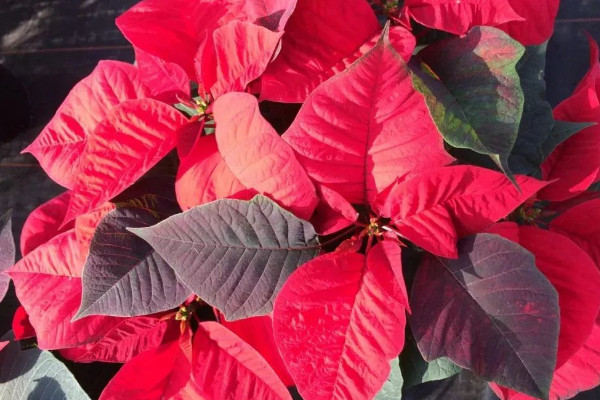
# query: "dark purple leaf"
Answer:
x=491 y=311
x=123 y=275
x=7 y=252
x=236 y=255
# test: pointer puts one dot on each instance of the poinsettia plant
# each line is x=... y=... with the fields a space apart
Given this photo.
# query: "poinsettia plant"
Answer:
x=342 y=197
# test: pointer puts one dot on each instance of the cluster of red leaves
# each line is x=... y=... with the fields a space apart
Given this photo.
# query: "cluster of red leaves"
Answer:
x=363 y=157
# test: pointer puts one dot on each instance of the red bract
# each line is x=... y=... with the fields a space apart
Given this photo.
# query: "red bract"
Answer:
x=207 y=38
x=45 y=222
x=216 y=364
x=537 y=22
x=339 y=314
x=245 y=139
x=165 y=81
x=61 y=144
x=574 y=164
x=531 y=23
x=366 y=127
x=124 y=340
x=458 y=17
x=318 y=40
x=204 y=176
x=245 y=374
x=582 y=225
x=138 y=134
x=333 y=213
x=258 y=333
x=173 y=30
x=160 y=373
x=21 y=326
x=77 y=148
x=236 y=55
x=287 y=80
x=435 y=209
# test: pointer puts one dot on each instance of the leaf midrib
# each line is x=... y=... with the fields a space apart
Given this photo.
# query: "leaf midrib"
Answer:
x=221 y=245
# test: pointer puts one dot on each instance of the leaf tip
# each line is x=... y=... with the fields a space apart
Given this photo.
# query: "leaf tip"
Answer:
x=79 y=315
x=139 y=232
x=27 y=149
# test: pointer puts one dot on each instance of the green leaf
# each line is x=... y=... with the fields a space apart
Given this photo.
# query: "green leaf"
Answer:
x=187 y=110
x=35 y=374
x=392 y=388
x=595 y=187
x=561 y=131
x=539 y=133
x=416 y=370
x=472 y=89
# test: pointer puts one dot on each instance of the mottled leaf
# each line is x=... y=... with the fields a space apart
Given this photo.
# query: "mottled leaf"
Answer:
x=472 y=89
x=85 y=226
x=236 y=255
x=364 y=128
x=123 y=275
x=494 y=312
x=339 y=321
x=35 y=374
x=580 y=373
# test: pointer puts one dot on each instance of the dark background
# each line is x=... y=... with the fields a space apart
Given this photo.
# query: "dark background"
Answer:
x=46 y=46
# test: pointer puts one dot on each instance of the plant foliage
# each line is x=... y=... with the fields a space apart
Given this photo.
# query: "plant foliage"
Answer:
x=225 y=245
